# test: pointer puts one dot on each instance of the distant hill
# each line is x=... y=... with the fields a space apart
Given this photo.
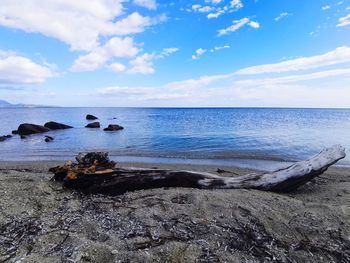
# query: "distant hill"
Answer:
x=6 y=104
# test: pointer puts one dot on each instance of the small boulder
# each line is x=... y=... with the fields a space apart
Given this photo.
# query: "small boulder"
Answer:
x=48 y=138
x=28 y=128
x=93 y=125
x=113 y=127
x=5 y=137
x=14 y=132
x=56 y=126
x=23 y=137
x=91 y=117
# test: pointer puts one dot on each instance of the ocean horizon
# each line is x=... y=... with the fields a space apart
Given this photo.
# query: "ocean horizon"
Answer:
x=248 y=137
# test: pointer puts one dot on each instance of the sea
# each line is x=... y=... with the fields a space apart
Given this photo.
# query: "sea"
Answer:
x=262 y=138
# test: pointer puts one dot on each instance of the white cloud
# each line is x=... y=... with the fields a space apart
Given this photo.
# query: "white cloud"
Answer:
x=237 y=4
x=196 y=7
x=216 y=8
x=325 y=7
x=254 y=24
x=98 y=27
x=139 y=93
x=199 y=52
x=201 y=9
x=117 y=67
x=142 y=64
x=133 y=23
x=297 y=78
x=237 y=24
x=150 y=4
x=281 y=15
x=219 y=48
x=337 y=56
x=77 y=23
x=220 y=90
x=215 y=15
x=169 y=91
x=327 y=88
x=167 y=51
x=214 y=2
x=344 y=21
x=205 y=9
x=115 y=47
x=120 y=48
x=15 y=69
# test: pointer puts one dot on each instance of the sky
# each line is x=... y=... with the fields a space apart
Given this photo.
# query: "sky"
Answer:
x=155 y=53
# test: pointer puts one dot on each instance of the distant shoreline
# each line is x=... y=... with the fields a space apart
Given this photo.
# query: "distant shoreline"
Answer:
x=185 y=108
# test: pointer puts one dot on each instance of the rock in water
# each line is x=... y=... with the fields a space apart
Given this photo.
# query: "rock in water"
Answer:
x=14 y=132
x=5 y=137
x=28 y=128
x=113 y=127
x=56 y=126
x=91 y=117
x=49 y=138
x=93 y=125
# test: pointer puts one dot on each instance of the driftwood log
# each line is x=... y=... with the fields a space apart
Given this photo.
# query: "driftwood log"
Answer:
x=95 y=173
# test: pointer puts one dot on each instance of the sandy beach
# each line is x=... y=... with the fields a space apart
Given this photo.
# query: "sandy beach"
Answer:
x=41 y=222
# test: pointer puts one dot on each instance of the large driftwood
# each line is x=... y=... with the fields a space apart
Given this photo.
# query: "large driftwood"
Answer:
x=96 y=174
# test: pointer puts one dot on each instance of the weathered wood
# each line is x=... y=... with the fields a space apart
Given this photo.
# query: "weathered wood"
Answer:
x=118 y=181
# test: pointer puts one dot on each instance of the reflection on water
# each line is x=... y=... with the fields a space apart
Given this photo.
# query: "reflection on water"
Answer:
x=289 y=134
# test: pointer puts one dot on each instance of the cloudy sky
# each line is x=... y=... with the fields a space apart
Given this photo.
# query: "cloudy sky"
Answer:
x=204 y=53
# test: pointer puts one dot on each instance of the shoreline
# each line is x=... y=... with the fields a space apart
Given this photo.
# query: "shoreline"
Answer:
x=150 y=161
x=253 y=164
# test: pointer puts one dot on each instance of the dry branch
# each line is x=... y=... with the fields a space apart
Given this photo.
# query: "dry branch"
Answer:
x=94 y=173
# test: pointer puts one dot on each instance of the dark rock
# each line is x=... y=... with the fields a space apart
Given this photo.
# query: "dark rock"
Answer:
x=5 y=137
x=113 y=127
x=27 y=129
x=56 y=126
x=91 y=117
x=23 y=137
x=14 y=132
x=48 y=138
x=93 y=125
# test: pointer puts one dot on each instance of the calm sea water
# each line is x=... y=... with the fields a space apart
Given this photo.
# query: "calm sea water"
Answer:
x=180 y=135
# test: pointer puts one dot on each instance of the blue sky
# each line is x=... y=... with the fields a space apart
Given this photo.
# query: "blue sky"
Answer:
x=207 y=53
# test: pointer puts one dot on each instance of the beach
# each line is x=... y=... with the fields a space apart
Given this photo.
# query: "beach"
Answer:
x=42 y=222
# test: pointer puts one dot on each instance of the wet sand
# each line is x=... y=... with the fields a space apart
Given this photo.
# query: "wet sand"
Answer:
x=41 y=222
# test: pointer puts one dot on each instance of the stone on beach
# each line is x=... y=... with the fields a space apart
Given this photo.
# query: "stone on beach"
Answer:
x=91 y=117
x=52 y=125
x=93 y=125
x=28 y=128
x=113 y=127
